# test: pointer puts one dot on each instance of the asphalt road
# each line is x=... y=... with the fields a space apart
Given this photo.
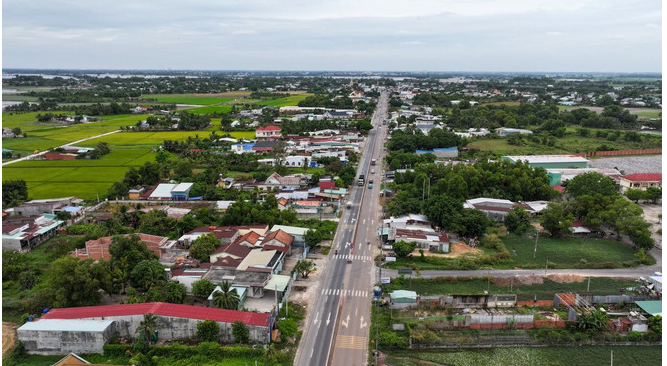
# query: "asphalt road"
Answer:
x=336 y=330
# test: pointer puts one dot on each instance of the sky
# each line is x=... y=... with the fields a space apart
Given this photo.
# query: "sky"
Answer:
x=355 y=35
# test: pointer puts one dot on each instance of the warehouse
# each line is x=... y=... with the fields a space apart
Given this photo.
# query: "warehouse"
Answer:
x=550 y=161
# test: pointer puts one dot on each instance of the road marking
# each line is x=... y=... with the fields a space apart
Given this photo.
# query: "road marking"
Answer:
x=329 y=318
x=363 y=222
x=363 y=323
x=346 y=322
x=351 y=342
x=316 y=315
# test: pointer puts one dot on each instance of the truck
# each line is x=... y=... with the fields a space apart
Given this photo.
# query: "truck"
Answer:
x=373 y=161
x=361 y=180
x=349 y=204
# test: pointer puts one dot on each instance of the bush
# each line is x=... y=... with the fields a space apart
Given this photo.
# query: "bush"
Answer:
x=288 y=327
x=634 y=336
x=240 y=332
x=392 y=340
x=116 y=350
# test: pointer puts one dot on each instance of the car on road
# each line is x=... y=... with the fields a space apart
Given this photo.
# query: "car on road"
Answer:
x=372 y=171
x=370 y=185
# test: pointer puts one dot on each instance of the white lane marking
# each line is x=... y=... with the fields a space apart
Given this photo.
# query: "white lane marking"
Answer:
x=363 y=324
x=316 y=315
x=329 y=318
x=346 y=322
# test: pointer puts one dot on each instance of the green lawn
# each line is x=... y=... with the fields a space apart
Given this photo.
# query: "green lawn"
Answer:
x=198 y=99
x=210 y=109
x=535 y=356
x=477 y=286
x=570 y=143
x=567 y=252
x=291 y=100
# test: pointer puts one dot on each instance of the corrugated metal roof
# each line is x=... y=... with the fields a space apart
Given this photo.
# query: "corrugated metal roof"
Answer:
x=651 y=307
x=163 y=309
x=163 y=190
x=67 y=325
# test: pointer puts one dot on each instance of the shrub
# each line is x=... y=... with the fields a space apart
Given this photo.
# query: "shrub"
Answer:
x=240 y=332
x=288 y=327
x=392 y=340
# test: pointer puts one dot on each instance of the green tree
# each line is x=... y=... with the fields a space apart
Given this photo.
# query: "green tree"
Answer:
x=202 y=288
x=240 y=332
x=556 y=220
x=472 y=223
x=147 y=273
x=443 y=210
x=591 y=322
x=655 y=323
x=635 y=194
x=129 y=250
x=14 y=192
x=592 y=182
x=653 y=194
x=183 y=168
x=27 y=280
x=226 y=297
x=403 y=248
x=147 y=327
x=517 y=220
x=204 y=246
x=175 y=293
x=74 y=282
x=305 y=267
x=208 y=331
x=312 y=238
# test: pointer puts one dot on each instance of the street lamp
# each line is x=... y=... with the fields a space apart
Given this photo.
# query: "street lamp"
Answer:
x=537 y=235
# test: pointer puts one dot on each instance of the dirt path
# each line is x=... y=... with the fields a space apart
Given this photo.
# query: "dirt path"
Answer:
x=457 y=249
x=8 y=337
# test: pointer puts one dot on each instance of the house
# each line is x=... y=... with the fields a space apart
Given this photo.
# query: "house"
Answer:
x=99 y=248
x=275 y=181
x=425 y=239
x=641 y=181
x=577 y=228
x=449 y=152
x=403 y=299
x=260 y=260
x=278 y=240
x=97 y=324
x=48 y=206
x=170 y=191
x=135 y=193
x=50 y=155
x=226 y=234
x=268 y=132
x=338 y=114
x=222 y=206
x=8 y=133
x=504 y=131
x=238 y=249
x=409 y=221
x=25 y=233
x=495 y=209
x=558 y=176
x=244 y=148
x=240 y=290
x=550 y=161
x=265 y=146
x=297 y=233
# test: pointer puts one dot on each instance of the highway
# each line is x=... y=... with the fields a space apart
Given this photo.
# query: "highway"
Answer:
x=336 y=330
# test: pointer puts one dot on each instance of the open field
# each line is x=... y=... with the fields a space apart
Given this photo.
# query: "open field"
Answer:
x=526 y=287
x=82 y=178
x=631 y=164
x=19 y=98
x=44 y=136
x=154 y=139
x=291 y=100
x=567 y=252
x=536 y=356
x=210 y=109
x=201 y=99
x=570 y=143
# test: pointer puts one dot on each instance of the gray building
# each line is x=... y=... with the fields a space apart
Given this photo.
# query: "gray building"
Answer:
x=57 y=336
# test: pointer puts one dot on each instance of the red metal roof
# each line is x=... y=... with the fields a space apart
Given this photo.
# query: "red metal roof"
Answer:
x=558 y=187
x=644 y=177
x=163 y=309
x=269 y=128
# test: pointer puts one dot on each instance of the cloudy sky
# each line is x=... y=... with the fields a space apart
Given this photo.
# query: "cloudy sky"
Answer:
x=433 y=35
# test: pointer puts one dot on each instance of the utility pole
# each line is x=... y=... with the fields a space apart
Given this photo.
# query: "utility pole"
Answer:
x=545 y=267
x=537 y=235
x=588 y=288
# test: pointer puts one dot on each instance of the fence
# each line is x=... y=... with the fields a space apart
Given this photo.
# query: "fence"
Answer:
x=535 y=303
x=619 y=153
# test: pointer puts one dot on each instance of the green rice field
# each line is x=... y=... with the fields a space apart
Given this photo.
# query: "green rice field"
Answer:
x=291 y=100
x=197 y=99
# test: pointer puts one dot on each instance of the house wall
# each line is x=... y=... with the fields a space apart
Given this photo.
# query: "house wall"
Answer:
x=35 y=209
x=174 y=328
x=58 y=342
x=11 y=244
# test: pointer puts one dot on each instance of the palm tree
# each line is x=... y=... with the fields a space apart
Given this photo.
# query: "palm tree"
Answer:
x=147 y=327
x=226 y=297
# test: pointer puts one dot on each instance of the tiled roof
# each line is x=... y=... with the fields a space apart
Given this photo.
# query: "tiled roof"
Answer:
x=280 y=236
x=644 y=177
x=162 y=309
x=269 y=128
x=99 y=249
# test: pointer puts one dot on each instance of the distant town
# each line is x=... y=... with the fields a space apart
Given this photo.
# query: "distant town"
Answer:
x=178 y=217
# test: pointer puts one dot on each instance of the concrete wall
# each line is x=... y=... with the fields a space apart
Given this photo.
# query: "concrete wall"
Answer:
x=58 y=342
x=11 y=244
x=174 y=328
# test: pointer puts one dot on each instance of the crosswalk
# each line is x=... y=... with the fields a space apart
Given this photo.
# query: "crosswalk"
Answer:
x=354 y=257
x=347 y=293
x=351 y=342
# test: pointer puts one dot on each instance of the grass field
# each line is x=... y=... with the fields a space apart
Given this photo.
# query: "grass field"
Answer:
x=291 y=100
x=200 y=99
x=567 y=252
x=210 y=109
x=82 y=178
x=19 y=98
x=536 y=356
x=477 y=286
x=570 y=143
